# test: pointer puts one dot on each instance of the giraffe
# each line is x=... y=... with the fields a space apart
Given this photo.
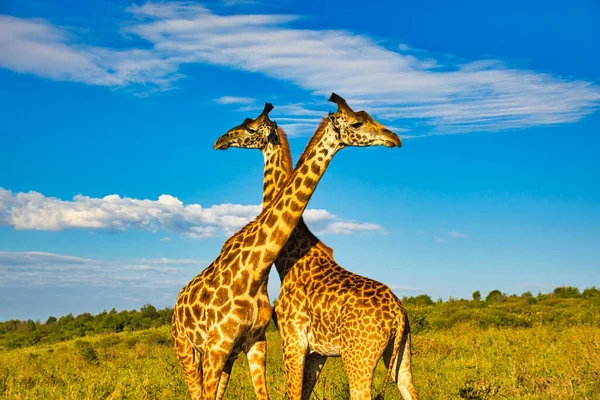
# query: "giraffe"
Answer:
x=225 y=309
x=320 y=300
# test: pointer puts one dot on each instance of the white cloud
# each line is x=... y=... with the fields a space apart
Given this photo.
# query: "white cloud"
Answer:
x=396 y=84
x=404 y=288
x=234 y=100
x=454 y=234
x=238 y=2
x=170 y=261
x=33 y=210
x=49 y=269
x=35 y=46
x=346 y=228
x=446 y=236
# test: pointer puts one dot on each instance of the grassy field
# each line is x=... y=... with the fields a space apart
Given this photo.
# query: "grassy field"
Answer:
x=461 y=362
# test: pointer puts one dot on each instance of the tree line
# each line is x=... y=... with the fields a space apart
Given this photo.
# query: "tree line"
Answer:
x=565 y=306
x=17 y=333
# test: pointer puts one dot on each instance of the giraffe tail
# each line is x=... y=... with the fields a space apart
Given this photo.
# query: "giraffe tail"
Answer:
x=402 y=331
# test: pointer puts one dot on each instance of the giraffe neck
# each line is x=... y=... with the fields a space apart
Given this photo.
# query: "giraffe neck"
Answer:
x=278 y=167
x=277 y=221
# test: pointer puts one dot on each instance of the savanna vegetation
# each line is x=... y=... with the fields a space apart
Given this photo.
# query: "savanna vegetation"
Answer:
x=544 y=346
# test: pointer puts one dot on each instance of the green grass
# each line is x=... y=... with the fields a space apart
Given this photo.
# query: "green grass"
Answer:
x=464 y=361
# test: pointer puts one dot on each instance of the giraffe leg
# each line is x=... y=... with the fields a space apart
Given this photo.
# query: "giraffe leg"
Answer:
x=190 y=363
x=312 y=368
x=401 y=370
x=257 y=359
x=360 y=377
x=225 y=377
x=213 y=364
x=360 y=358
x=293 y=363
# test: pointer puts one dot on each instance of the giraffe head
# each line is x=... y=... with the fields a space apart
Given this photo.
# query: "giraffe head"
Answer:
x=252 y=133
x=359 y=128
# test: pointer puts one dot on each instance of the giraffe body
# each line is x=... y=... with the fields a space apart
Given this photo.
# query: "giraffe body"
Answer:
x=225 y=309
x=324 y=310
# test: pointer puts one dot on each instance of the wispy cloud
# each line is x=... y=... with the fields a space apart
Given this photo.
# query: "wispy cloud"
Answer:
x=49 y=269
x=404 y=288
x=454 y=234
x=33 y=210
x=346 y=228
x=35 y=46
x=234 y=100
x=397 y=84
x=446 y=236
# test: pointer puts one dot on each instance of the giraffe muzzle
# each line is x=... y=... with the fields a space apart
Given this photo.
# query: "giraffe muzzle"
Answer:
x=390 y=139
x=222 y=143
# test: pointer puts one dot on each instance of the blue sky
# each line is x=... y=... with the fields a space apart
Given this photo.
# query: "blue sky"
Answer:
x=111 y=194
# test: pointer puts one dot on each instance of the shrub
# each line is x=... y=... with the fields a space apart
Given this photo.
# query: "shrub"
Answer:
x=109 y=341
x=473 y=390
x=420 y=300
x=591 y=292
x=87 y=352
x=494 y=296
x=156 y=338
x=419 y=320
x=567 y=292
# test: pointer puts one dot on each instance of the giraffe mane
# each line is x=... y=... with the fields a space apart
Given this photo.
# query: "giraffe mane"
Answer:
x=285 y=146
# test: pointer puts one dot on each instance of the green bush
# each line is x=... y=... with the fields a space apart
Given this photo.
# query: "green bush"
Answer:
x=420 y=300
x=567 y=292
x=87 y=352
x=494 y=296
x=590 y=292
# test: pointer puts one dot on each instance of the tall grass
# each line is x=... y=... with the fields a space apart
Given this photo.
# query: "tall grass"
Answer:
x=464 y=361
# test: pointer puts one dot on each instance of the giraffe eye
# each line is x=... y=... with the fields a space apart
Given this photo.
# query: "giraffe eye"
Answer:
x=251 y=130
x=357 y=124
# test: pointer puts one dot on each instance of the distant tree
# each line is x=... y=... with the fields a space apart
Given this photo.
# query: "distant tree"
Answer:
x=420 y=300
x=66 y=320
x=541 y=296
x=494 y=295
x=567 y=292
x=477 y=295
x=149 y=311
x=591 y=292
x=30 y=325
x=51 y=320
x=527 y=295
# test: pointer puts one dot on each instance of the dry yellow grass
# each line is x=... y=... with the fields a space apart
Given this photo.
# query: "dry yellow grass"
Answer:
x=463 y=362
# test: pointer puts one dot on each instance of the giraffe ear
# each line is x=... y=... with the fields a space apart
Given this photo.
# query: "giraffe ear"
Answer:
x=333 y=120
x=273 y=137
x=334 y=123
